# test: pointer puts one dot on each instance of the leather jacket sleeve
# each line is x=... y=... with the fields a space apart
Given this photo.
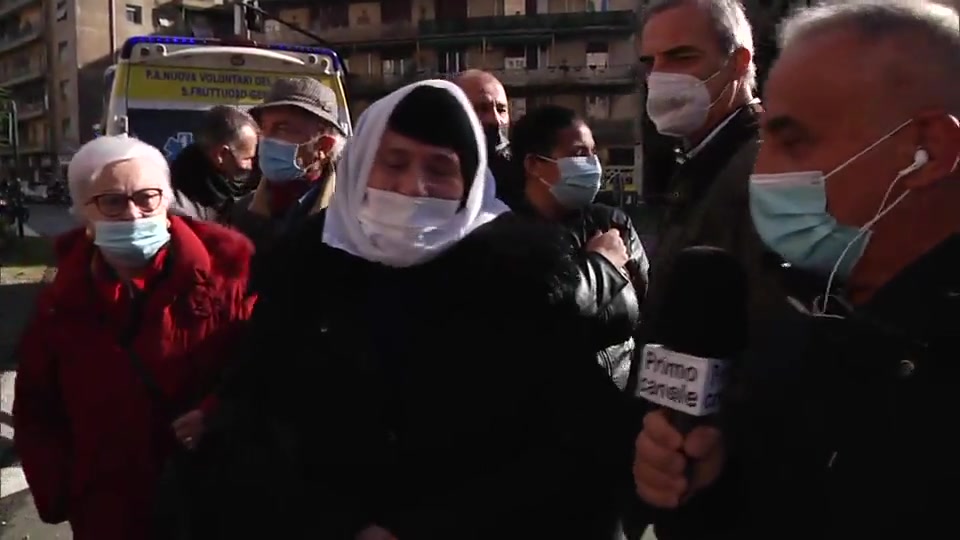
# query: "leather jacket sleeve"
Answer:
x=608 y=298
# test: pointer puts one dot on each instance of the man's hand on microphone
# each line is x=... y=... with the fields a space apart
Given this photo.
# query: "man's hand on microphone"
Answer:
x=611 y=246
x=661 y=459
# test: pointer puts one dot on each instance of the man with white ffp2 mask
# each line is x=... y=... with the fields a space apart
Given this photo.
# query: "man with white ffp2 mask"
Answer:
x=701 y=82
x=857 y=187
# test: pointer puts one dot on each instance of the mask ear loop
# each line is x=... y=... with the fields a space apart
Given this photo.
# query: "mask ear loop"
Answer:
x=822 y=308
x=882 y=211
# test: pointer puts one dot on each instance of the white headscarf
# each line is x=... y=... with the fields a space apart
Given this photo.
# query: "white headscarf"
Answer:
x=342 y=228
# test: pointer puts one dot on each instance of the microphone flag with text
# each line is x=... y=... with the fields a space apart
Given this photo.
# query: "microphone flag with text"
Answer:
x=700 y=332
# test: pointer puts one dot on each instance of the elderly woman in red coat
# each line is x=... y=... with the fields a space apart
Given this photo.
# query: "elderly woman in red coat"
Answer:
x=118 y=365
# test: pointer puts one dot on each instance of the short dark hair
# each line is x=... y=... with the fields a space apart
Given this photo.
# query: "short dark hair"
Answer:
x=222 y=125
x=538 y=132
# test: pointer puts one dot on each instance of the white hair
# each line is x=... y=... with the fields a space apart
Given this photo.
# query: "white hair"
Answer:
x=87 y=164
x=927 y=34
x=730 y=24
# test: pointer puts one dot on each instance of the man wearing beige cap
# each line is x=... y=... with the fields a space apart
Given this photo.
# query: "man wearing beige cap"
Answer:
x=301 y=141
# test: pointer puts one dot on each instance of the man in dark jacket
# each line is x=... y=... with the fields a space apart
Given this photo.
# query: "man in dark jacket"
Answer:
x=717 y=120
x=839 y=411
x=554 y=152
x=489 y=100
x=211 y=174
x=302 y=137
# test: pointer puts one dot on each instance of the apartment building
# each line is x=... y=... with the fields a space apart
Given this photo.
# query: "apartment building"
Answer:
x=53 y=56
x=24 y=74
x=575 y=53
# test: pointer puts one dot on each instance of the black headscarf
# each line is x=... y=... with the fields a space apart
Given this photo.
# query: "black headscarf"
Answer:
x=434 y=116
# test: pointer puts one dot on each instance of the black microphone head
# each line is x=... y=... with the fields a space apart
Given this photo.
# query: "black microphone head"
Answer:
x=704 y=308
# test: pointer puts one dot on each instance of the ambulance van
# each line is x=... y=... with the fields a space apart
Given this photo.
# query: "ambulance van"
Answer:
x=161 y=85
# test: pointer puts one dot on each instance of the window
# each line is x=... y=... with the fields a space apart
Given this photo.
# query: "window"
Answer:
x=396 y=66
x=518 y=107
x=597 y=55
x=598 y=107
x=62 y=50
x=65 y=126
x=134 y=14
x=64 y=89
x=515 y=57
x=451 y=61
x=515 y=62
x=514 y=7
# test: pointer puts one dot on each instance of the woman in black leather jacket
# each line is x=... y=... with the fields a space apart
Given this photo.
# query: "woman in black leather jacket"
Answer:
x=554 y=154
x=426 y=379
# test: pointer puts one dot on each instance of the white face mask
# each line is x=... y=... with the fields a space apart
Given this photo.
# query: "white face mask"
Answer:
x=678 y=103
x=401 y=226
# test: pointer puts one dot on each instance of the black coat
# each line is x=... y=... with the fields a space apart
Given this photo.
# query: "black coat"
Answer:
x=609 y=300
x=454 y=399
x=843 y=428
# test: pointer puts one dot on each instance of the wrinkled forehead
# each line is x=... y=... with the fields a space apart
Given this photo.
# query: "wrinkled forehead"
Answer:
x=130 y=175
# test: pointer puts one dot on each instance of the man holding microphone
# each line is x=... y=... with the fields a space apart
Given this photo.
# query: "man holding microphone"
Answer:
x=833 y=426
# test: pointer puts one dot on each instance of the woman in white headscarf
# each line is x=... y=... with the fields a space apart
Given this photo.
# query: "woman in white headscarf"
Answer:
x=423 y=360
x=118 y=366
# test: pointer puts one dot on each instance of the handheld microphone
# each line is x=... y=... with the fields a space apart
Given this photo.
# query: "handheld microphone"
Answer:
x=701 y=330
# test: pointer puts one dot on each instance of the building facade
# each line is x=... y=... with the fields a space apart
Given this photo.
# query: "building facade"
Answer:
x=53 y=56
x=575 y=53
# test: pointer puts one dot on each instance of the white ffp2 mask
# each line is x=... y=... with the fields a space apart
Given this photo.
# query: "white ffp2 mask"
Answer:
x=400 y=226
x=677 y=103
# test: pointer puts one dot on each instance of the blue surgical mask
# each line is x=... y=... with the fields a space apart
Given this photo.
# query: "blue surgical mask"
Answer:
x=789 y=212
x=132 y=243
x=580 y=178
x=278 y=160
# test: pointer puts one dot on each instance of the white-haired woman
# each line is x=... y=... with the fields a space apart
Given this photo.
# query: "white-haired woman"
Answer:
x=117 y=367
x=441 y=388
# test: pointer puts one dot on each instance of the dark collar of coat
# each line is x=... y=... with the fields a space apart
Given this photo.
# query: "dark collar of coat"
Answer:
x=693 y=177
x=512 y=260
x=921 y=305
x=188 y=271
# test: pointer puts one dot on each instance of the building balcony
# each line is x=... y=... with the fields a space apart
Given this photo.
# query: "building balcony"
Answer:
x=369 y=35
x=28 y=110
x=19 y=76
x=9 y=6
x=376 y=86
x=503 y=26
x=569 y=76
x=612 y=131
x=20 y=37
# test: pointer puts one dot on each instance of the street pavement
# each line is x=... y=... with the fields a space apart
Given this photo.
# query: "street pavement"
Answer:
x=18 y=517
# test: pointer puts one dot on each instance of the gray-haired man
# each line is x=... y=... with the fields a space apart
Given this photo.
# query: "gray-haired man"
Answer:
x=839 y=427
x=301 y=140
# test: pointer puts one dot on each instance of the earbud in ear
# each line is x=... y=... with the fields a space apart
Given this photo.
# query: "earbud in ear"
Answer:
x=920 y=159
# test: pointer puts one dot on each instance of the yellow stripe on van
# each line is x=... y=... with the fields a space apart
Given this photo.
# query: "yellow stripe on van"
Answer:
x=206 y=86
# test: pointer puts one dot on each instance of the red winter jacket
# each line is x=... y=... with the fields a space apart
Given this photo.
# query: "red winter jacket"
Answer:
x=91 y=437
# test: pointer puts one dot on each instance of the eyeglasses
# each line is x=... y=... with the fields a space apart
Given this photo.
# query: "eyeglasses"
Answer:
x=114 y=205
